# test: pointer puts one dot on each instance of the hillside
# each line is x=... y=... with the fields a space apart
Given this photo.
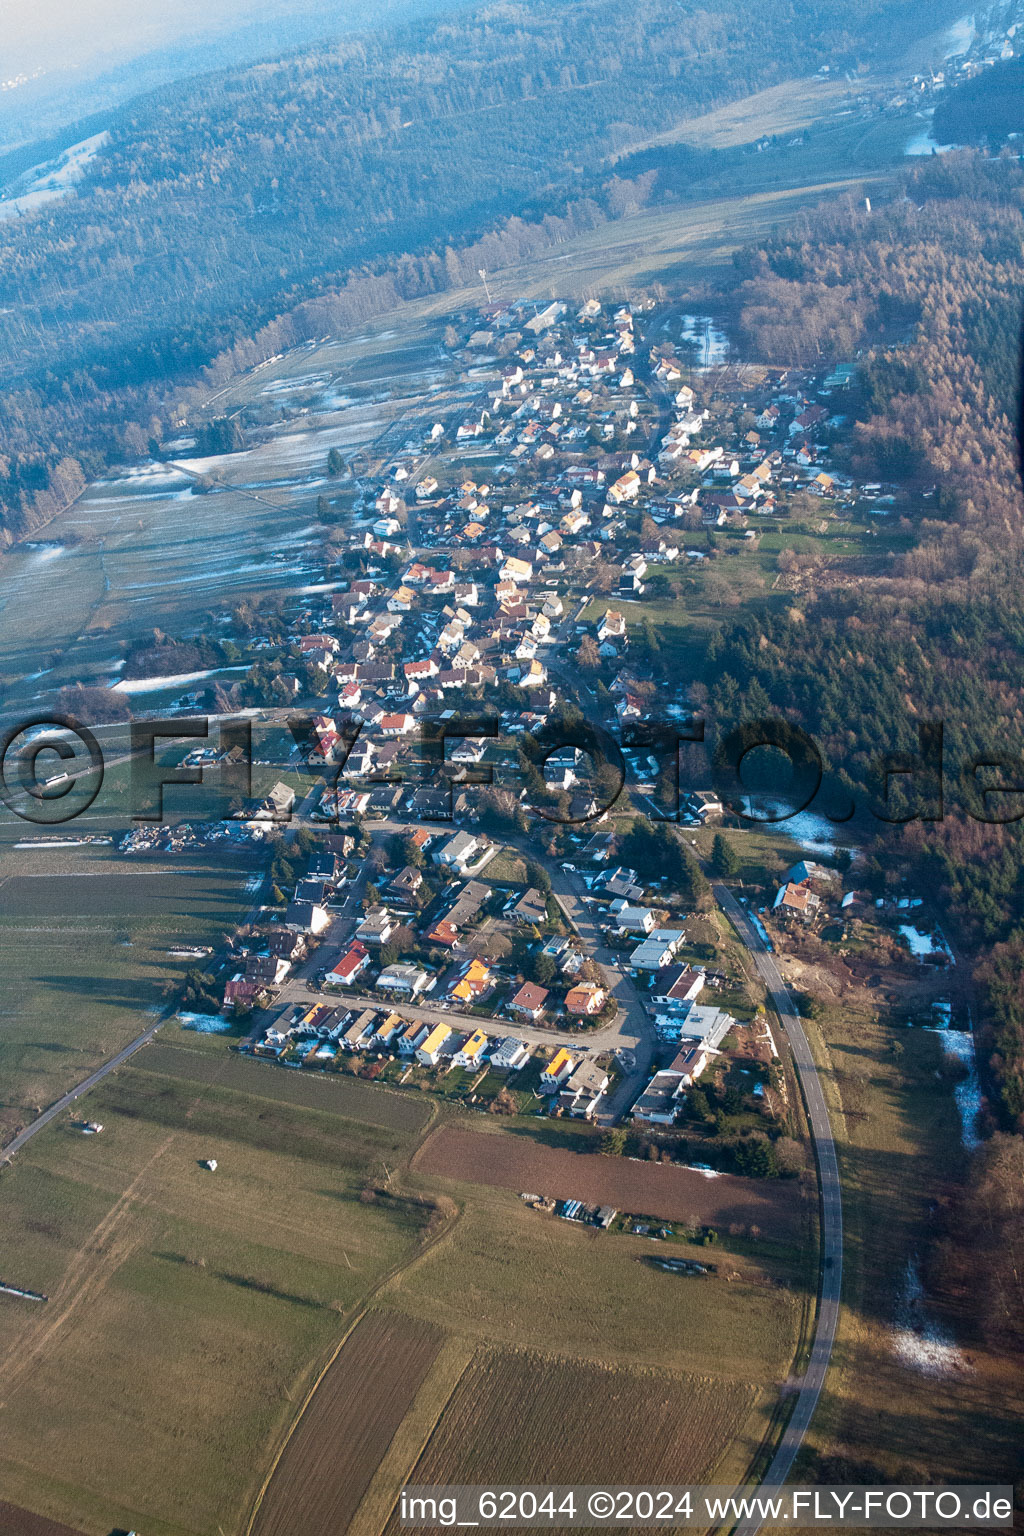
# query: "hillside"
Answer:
x=986 y=109
x=220 y=204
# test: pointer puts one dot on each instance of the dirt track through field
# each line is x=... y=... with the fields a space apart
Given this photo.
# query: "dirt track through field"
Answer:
x=509 y=1161
x=86 y=1277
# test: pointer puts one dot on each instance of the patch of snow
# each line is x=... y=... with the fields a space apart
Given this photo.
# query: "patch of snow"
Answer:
x=958 y=38
x=60 y=842
x=959 y=1044
x=924 y=944
x=920 y=1341
x=169 y=680
x=714 y=344
x=204 y=1023
x=52 y=179
x=42 y=553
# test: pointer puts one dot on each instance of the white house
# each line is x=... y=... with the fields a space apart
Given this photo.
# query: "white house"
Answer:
x=473 y=1051
x=428 y=1053
x=413 y=1037
x=631 y=919
x=657 y=949
x=458 y=852
x=510 y=1055
x=377 y=926
x=560 y=1067
x=409 y=980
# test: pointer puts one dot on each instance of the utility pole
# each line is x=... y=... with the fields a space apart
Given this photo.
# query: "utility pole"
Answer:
x=483 y=279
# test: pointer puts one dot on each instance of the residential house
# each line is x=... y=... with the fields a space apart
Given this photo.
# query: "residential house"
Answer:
x=473 y=1050
x=582 y=1092
x=277 y=805
x=387 y=1031
x=516 y=570
x=377 y=926
x=407 y=882
x=629 y=919
x=705 y=1025
x=702 y=805
x=689 y=1064
x=657 y=949
x=529 y=1000
x=358 y=1035
x=612 y=626
x=458 y=852
x=266 y=970
x=409 y=980
x=587 y=998
x=412 y=1037
x=531 y=908
x=429 y=1052
x=559 y=1068
x=474 y=983
x=676 y=988
x=796 y=901
x=397 y=725
x=659 y=1102
x=240 y=992
x=349 y=967
x=306 y=917
x=509 y=1055
x=287 y=944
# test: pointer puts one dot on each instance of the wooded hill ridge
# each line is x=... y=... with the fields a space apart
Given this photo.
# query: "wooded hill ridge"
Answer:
x=938 y=634
x=221 y=204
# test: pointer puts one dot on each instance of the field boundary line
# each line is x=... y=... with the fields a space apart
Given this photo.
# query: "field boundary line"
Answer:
x=366 y=1306
x=429 y=1431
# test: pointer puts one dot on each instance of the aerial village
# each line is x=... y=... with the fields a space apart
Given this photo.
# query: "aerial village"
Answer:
x=496 y=932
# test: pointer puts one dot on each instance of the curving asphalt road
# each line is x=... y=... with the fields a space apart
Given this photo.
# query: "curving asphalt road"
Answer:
x=831 y=1203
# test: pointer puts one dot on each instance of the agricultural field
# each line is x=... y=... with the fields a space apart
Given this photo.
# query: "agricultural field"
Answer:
x=656 y=1189
x=85 y=940
x=165 y=1283
x=350 y=1420
x=551 y=1281
x=140 y=547
x=20 y=1522
x=181 y=1054
x=518 y=1417
x=189 y=1312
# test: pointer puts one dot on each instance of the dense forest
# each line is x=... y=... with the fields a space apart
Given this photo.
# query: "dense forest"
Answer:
x=930 y=291
x=985 y=110
x=233 y=214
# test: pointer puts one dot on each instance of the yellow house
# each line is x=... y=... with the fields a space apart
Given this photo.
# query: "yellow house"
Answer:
x=473 y=984
x=430 y=1050
x=473 y=1052
x=557 y=1069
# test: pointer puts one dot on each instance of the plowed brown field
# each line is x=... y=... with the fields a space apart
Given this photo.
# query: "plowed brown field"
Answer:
x=347 y=1426
x=21 y=1522
x=650 y=1189
x=517 y=1417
